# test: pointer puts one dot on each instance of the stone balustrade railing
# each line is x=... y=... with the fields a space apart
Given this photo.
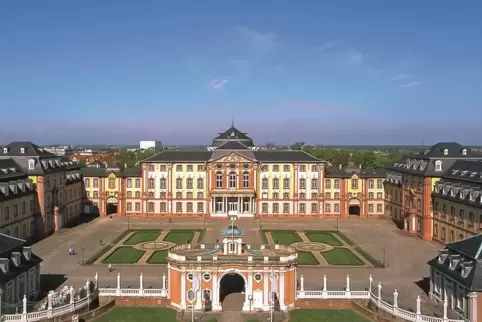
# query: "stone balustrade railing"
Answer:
x=375 y=299
x=139 y=292
x=52 y=312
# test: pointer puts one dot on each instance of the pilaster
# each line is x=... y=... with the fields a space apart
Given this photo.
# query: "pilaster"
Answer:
x=183 y=291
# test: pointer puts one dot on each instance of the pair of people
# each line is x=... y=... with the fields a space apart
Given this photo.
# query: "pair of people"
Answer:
x=71 y=251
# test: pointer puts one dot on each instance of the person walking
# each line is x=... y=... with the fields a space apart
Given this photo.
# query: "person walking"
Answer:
x=110 y=268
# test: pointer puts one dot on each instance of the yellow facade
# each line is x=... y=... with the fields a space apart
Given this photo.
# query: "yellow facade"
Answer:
x=460 y=220
x=359 y=185
x=17 y=216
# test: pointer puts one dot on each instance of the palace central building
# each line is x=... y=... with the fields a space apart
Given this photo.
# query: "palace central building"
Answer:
x=234 y=177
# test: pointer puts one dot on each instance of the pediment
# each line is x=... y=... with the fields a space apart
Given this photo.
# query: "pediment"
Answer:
x=354 y=177
x=112 y=175
x=233 y=157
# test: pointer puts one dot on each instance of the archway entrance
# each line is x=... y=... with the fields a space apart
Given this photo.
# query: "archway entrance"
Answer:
x=231 y=288
x=111 y=206
x=354 y=210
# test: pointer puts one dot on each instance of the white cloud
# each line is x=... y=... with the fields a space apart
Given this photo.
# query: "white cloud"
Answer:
x=411 y=84
x=328 y=45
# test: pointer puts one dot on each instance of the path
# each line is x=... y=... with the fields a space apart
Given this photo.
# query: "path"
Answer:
x=317 y=254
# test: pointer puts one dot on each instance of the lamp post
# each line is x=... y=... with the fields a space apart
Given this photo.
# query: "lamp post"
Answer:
x=250 y=299
x=128 y=222
x=82 y=255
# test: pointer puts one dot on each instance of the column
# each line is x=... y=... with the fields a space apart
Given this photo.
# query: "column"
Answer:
x=183 y=291
x=247 y=292
x=240 y=205
x=215 y=291
x=266 y=291
x=199 y=297
x=281 y=290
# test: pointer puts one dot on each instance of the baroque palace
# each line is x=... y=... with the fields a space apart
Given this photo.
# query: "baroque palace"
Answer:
x=235 y=177
x=436 y=194
x=39 y=191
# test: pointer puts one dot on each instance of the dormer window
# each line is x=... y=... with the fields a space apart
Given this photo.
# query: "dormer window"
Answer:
x=438 y=165
x=473 y=174
x=466 y=268
x=454 y=172
x=446 y=151
x=454 y=260
x=442 y=256
x=31 y=164
x=22 y=150
x=464 y=173
x=5 y=150
x=464 y=152
x=472 y=196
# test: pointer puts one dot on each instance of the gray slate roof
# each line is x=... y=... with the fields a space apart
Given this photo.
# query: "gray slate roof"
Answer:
x=467 y=253
x=104 y=172
x=10 y=170
x=232 y=230
x=7 y=243
x=348 y=170
x=232 y=134
x=14 y=149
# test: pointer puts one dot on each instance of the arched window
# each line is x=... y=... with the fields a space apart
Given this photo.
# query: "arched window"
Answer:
x=232 y=180
x=246 y=180
x=219 y=180
x=31 y=164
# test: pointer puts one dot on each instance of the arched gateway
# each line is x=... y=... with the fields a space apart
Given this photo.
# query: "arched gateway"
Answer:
x=204 y=277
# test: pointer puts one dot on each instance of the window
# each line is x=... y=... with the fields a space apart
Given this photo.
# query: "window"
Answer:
x=200 y=183
x=151 y=207
x=200 y=195
x=337 y=195
x=189 y=183
x=286 y=208
x=452 y=211
x=275 y=208
x=314 y=183
x=206 y=277
x=435 y=230
x=129 y=183
x=232 y=247
x=327 y=207
x=31 y=164
x=151 y=194
x=370 y=207
x=302 y=208
x=163 y=168
x=87 y=182
x=151 y=183
x=275 y=168
x=232 y=180
x=471 y=217
x=138 y=206
x=370 y=195
x=179 y=183
x=264 y=208
x=219 y=180
x=96 y=194
x=7 y=213
x=314 y=168
x=246 y=180
x=379 y=208
x=379 y=195
x=200 y=207
x=337 y=208
x=138 y=194
x=286 y=195
x=163 y=183
x=163 y=207
x=286 y=183
x=275 y=195
x=370 y=184
x=138 y=183
x=178 y=207
x=379 y=184
x=464 y=152
x=111 y=183
x=461 y=214
x=337 y=183
x=179 y=168
x=302 y=168
x=200 y=167
x=327 y=195
x=179 y=195
x=438 y=165
x=354 y=183
x=275 y=183
x=258 y=277
x=264 y=183
x=190 y=295
x=189 y=207
x=302 y=183
x=190 y=168
x=129 y=206
x=314 y=195
x=286 y=168
x=129 y=194
x=327 y=184
x=264 y=168
x=314 y=208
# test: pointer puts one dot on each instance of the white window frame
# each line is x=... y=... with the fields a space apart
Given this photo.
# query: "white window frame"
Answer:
x=190 y=291
x=232 y=180
x=438 y=165
x=31 y=164
x=246 y=180
x=219 y=180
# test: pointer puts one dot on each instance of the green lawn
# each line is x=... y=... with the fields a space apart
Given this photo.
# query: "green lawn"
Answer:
x=158 y=257
x=307 y=258
x=323 y=237
x=341 y=256
x=142 y=236
x=285 y=237
x=179 y=237
x=124 y=255
x=327 y=315
x=138 y=314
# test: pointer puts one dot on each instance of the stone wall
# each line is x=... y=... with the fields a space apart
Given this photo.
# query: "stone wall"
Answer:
x=98 y=311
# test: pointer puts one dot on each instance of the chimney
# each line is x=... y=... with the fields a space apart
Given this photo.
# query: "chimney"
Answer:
x=27 y=252
x=341 y=166
x=16 y=258
x=4 y=265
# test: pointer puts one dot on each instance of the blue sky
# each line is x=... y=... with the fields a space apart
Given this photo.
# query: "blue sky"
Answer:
x=328 y=72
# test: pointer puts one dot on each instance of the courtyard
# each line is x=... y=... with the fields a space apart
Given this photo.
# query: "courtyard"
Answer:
x=143 y=246
x=322 y=248
x=405 y=256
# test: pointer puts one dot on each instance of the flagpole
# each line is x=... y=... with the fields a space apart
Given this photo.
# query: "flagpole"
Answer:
x=192 y=304
x=272 y=295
